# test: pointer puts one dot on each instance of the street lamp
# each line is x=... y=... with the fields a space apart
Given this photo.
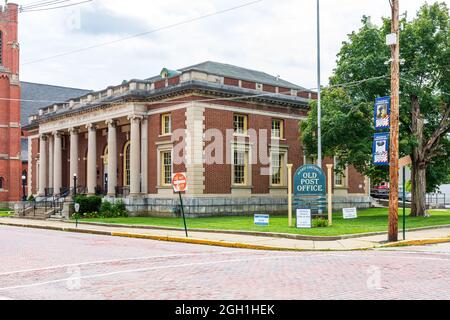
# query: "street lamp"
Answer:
x=74 y=184
x=24 y=182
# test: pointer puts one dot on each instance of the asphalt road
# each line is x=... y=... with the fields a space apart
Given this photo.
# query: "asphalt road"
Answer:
x=42 y=264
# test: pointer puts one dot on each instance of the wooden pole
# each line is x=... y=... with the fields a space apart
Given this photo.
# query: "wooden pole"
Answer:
x=330 y=194
x=395 y=102
x=289 y=166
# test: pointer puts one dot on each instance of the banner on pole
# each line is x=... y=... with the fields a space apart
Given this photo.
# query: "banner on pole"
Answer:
x=382 y=113
x=381 y=149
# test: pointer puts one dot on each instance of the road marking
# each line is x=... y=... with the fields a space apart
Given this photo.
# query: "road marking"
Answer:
x=121 y=260
x=101 y=275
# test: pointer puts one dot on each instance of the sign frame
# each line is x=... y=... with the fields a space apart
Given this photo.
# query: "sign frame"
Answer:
x=380 y=137
x=382 y=107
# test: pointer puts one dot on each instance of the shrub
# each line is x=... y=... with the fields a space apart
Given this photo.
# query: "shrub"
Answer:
x=319 y=223
x=88 y=204
x=108 y=210
x=31 y=198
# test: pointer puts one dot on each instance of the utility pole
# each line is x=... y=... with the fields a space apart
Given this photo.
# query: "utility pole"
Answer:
x=395 y=111
x=319 y=107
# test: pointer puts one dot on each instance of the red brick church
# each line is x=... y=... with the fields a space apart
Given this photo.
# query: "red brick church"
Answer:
x=18 y=100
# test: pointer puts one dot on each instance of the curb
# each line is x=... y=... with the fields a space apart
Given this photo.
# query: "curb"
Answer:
x=419 y=242
x=256 y=233
x=216 y=243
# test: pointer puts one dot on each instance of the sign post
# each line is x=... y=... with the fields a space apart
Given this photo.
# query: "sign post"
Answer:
x=309 y=190
x=330 y=194
x=403 y=162
x=289 y=166
x=77 y=209
x=179 y=182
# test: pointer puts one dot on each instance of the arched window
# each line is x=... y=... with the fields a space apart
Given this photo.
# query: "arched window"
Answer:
x=126 y=164
x=1 y=183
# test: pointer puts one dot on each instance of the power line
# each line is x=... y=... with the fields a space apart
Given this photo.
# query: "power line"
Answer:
x=58 y=7
x=144 y=33
x=42 y=4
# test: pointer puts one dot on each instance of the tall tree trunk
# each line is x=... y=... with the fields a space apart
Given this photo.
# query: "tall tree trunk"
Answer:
x=418 y=175
x=418 y=191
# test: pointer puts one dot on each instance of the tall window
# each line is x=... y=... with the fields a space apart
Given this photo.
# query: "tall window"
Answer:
x=277 y=129
x=277 y=168
x=126 y=165
x=166 y=124
x=166 y=168
x=338 y=177
x=240 y=167
x=1 y=183
x=240 y=124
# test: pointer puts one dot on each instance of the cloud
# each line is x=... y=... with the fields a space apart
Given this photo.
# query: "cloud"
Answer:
x=277 y=37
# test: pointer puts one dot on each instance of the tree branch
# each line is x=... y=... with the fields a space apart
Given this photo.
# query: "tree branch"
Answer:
x=444 y=127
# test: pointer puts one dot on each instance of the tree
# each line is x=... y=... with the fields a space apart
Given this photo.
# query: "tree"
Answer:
x=424 y=100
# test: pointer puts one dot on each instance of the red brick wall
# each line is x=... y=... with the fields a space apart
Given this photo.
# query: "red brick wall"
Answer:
x=154 y=136
x=10 y=166
x=231 y=82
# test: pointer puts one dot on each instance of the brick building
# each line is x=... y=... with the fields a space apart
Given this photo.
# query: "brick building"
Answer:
x=232 y=130
x=18 y=100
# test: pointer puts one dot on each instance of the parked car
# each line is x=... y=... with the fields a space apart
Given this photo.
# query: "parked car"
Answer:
x=380 y=193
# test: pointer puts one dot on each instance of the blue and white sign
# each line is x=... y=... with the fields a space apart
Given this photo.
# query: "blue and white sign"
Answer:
x=381 y=149
x=309 y=180
x=304 y=219
x=262 y=220
x=382 y=113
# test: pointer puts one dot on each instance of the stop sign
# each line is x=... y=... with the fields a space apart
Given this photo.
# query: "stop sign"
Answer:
x=179 y=182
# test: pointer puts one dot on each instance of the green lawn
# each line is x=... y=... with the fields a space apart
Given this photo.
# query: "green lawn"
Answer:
x=4 y=213
x=370 y=220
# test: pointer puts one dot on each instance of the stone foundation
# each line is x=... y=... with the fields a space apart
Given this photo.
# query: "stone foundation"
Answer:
x=226 y=206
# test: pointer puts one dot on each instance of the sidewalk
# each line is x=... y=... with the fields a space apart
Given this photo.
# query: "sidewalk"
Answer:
x=234 y=240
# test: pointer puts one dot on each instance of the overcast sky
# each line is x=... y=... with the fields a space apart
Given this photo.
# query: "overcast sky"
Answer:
x=274 y=36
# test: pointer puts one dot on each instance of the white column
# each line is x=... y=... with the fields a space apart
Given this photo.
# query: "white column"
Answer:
x=135 y=156
x=73 y=155
x=144 y=156
x=112 y=157
x=57 y=163
x=92 y=159
x=51 y=157
x=30 y=167
x=42 y=164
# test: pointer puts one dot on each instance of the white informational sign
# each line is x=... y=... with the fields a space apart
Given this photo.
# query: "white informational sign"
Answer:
x=304 y=220
x=262 y=220
x=350 y=213
x=77 y=207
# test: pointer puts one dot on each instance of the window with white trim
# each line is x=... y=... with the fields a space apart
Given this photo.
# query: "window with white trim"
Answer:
x=339 y=177
x=240 y=167
x=277 y=168
x=240 y=124
x=278 y=128
x=166 y=124
x=166 y=168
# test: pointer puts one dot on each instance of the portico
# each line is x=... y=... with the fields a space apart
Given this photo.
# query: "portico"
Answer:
x=105 y=153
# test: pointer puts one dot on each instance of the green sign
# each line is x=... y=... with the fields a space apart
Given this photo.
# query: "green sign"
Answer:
x=309 y=180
